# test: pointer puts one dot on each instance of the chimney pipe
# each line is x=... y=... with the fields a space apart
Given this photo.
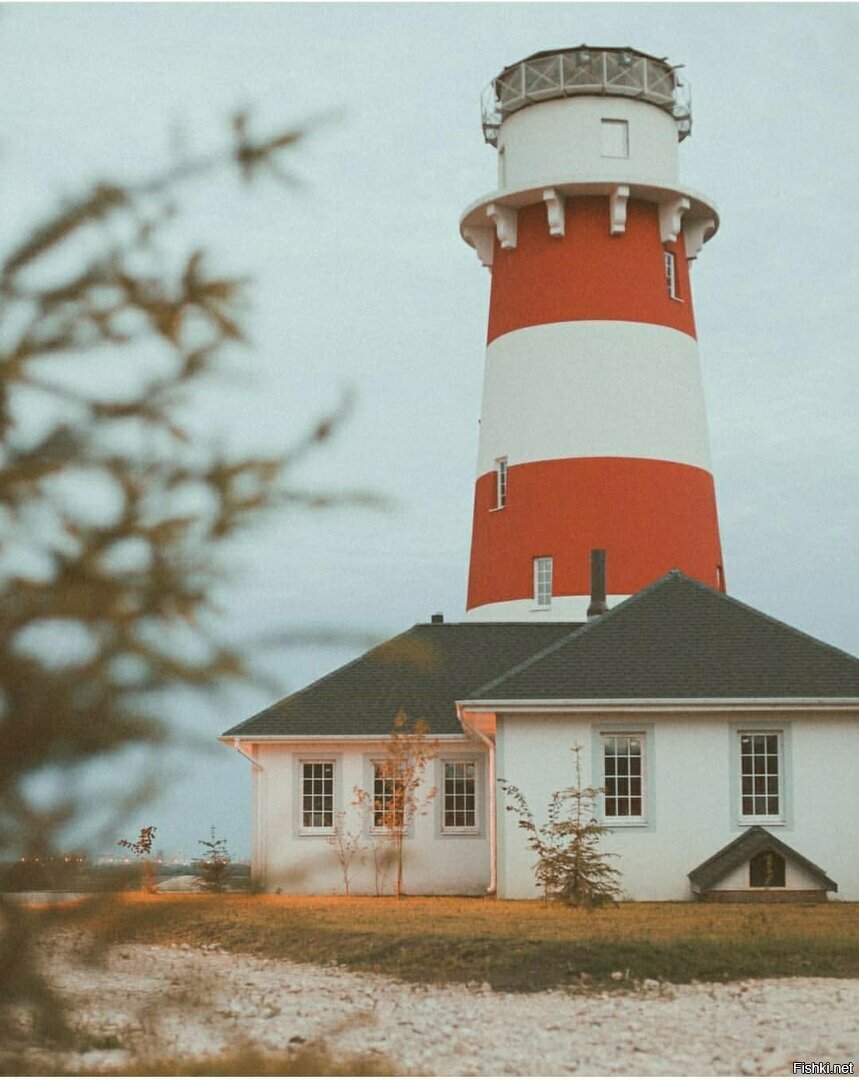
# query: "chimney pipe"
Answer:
x=437 y=617
x=597 y=606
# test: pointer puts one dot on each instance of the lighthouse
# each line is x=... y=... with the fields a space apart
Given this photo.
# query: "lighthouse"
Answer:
x=593 y=431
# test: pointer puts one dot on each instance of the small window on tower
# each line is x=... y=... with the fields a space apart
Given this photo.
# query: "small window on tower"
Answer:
x=500 y=483
x=543 y=582
x=615 y=138
x=671 y=274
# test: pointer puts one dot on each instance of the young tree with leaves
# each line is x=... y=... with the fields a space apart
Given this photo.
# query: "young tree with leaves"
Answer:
x=397 y=799
x=570 y=867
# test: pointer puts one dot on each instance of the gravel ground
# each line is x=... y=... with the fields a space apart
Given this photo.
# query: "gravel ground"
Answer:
x=198 y=1001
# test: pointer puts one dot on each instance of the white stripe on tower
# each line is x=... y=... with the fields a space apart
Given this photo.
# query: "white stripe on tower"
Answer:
x=593 y=430
x=567 y=389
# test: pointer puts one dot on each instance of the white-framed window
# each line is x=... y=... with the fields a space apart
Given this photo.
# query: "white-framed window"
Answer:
x=671 y=274
x=615 y=138
x=459 y=810
x=761 y=776
x=623 y=777
x=543 y=581
x=387 y=797
x=500 y=483
x=317 y=796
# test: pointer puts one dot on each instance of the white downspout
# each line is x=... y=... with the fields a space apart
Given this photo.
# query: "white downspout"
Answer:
x=492 y=889
x=237 y=745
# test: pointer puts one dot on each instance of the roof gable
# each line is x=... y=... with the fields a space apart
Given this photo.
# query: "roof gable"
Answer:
x=679 y=639
x=745 y=847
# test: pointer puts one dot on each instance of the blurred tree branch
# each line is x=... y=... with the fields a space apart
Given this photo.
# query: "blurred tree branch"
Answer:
x=113 y=516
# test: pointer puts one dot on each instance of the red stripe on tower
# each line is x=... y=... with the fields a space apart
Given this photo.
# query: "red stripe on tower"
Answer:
x=593 y=430
x=587 y=273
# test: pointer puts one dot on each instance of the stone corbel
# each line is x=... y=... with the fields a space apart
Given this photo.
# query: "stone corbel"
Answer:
x=506 y=219
x=617 y=210
x=555 y=205
x=695 y=233
x=483 y=242
x=670 y=218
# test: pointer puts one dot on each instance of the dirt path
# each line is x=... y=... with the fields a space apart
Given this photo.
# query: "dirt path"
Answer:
x=197 y=1001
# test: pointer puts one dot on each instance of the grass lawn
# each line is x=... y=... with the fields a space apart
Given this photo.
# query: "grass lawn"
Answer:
x=513 y=945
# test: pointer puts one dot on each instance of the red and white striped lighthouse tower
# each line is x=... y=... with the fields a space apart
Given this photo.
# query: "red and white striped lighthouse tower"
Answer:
x=593 y=431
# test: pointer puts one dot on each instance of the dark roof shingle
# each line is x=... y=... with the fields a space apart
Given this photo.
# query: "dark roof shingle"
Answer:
x=675 y=639
x=680 y=639
x=422 y=671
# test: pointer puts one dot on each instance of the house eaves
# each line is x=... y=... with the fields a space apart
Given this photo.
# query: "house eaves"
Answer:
x=231 y=740
x=566 y=705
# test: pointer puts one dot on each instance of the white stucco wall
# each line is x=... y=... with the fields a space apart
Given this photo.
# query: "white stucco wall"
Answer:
x=692 y=792
x=562 y=140
x=288 y=859
x=593 y=388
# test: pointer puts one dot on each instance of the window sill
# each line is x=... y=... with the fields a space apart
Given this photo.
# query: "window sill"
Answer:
x=624 y=823
x=326 y=831
x=761 y=821
x=465 y=830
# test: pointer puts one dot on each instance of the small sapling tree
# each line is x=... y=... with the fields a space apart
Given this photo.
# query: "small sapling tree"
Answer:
x=214 y=867
x=396 y=799
x=570 y=867
x=141 y=848
x=347 y=845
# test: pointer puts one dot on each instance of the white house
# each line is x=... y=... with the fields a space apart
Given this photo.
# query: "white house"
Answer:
x=726 y=743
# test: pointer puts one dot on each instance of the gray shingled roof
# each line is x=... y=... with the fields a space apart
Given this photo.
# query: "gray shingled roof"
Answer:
x=745 y=847
x=423 y=671
x=680 y=639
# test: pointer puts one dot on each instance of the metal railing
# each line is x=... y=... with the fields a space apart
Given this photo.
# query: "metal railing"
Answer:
x=616 y=72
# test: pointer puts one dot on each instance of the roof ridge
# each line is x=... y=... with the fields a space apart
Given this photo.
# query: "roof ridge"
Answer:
x=586 y=626
x=322 y=678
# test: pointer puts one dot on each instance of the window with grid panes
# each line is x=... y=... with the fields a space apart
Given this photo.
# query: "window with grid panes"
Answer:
x=460 y=795
x=623 y=772
x=387 y=798
x=760 y=774
x=317 y=795
x=543 y=582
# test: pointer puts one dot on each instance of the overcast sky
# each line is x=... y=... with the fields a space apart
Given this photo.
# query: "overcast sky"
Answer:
x=362 y=282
